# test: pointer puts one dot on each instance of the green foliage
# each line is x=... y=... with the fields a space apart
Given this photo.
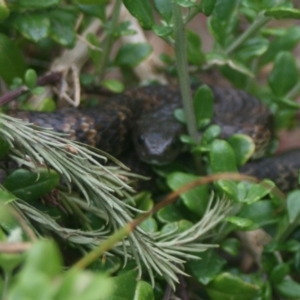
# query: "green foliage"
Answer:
x=245 y=47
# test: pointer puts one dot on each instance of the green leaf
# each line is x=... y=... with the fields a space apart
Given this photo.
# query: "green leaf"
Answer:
x=170 y=213
x=176 y=227
x=144 y=291
x=283 y=13
x=289 y=289
x=30 y=78
x=253 y=47
x=141 y=9
x=207 y=6
x=11 y=60
x=203 y=104
x=207 y=268
x=124 y=286
x=4 y=148
x=30 y=186
x=47 y=105
x=284 y=75
x=243 y=147
x=96 y=10
x=29 y=4
x=62 y=28
x=164 y=7
x=218 y=59
x=179 y=115
x=211 y=133
x=260 y=213
x=196 y=199
x=241 y=223
x=194 y=53
x=186 y=3
x=149 y=225
x=162 y=31
x=36 y=259
x=113 y=85
x=4 y=10
x=279 y=272
x=222 y=158
x=231 y=246
x=92 y=2
x=33 y=26
x=293 y=206
x=230 y=287
x=130 y=55
x=286 y=41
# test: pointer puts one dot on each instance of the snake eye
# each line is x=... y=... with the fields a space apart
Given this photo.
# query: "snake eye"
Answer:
x=141 y=139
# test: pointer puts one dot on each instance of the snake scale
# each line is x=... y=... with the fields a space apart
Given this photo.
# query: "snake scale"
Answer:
x=145 y=115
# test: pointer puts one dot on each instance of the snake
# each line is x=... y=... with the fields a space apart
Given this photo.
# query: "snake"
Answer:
x=144 y=117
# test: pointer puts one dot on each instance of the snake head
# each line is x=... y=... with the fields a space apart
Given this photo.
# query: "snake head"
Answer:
x=157 y=140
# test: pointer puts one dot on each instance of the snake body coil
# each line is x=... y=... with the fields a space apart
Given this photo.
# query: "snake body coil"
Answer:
x=146 y=115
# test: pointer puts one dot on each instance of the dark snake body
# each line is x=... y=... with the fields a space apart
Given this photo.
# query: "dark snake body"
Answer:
x=146 y=115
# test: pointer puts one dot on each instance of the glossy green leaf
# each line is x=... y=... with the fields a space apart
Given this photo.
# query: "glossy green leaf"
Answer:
x=286 y=41
x=186 y=3
x=170 y=213
x=113 y=85
x=229 y=187
x=179 y=115
x=293 y=206
x=260 y=213
x=207 y=6
x=176 y=227
x=141 y=9
x=62 y=28
x=203 y=104
x=284 y=75
x=195 y=199
x=194 y=53
x=211 y=133
x=30 y=186
x=253 y=47
x=279 y=272
x=240 y=223
x=4 y=10
x=124 y=286
x=258 y=191
x=35 y=260
x=218 y=59
x=149 y=225
x=72 y=286
x=289 y=289
x=224 y=9
x=33 y=26
x=283 y=13
x=96 y=53
x=231 y=246
x=47 y=105
x=11 y=60
x=96 y=10
x=162 y=31
x=144 y=291
x=207 y=268
x=243 y=147
x=222 y=158
x=130 y=55
x=30 y=78
x=29 y=4
x=164 y=7
x=230 y=287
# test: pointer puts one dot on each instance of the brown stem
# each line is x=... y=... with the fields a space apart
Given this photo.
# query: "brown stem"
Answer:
x=49 y=78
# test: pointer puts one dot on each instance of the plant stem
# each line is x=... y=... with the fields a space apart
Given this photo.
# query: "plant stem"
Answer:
x=109 y=39
x=182 y=70
x=257 y=24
